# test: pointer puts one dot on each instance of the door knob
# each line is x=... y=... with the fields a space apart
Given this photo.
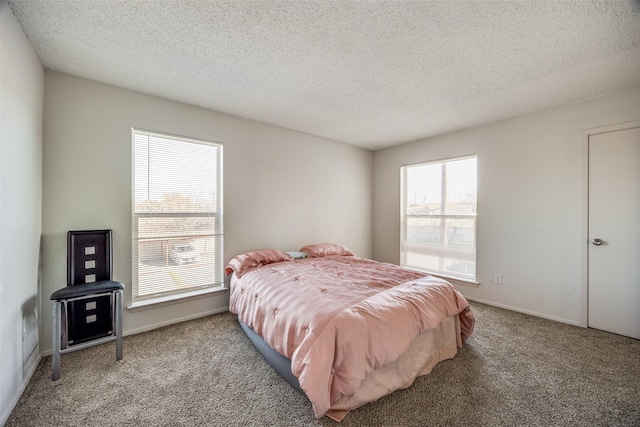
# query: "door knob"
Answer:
x=597 y=242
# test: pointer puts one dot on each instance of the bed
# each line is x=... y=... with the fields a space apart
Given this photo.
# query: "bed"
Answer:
x=342 y=329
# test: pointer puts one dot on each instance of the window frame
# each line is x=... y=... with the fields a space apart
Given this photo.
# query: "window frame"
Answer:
x=465 y=279
x=217 y=233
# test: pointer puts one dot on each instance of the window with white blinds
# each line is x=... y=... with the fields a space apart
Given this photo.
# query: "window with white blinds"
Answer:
x=438 y=233
x=177 y=215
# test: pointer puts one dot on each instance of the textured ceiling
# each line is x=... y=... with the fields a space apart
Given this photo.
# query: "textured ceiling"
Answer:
x=369 y=73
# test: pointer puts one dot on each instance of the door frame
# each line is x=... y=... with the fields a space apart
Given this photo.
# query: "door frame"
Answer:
x=584 y=214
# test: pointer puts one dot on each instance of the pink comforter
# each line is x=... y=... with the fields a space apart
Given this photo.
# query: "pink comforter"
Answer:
x=340 y=318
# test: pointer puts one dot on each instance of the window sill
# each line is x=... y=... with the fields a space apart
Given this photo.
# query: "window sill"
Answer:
x=458 y=281
x=152 y=303
x=453 y=280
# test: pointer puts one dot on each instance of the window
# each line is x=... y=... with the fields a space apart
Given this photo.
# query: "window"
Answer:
x=177 y=215
x=438 y=221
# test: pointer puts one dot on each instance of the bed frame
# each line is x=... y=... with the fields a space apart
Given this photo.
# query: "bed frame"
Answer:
x=280 y=363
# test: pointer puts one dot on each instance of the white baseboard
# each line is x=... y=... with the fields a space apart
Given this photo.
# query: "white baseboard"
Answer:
x=174 y=321
x=529 y=312
x=161 y=324
x=18 y=392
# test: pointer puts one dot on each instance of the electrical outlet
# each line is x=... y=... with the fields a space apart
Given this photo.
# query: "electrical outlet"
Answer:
x=497 y=278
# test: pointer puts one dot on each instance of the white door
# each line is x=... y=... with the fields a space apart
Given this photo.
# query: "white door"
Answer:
x=614 y=232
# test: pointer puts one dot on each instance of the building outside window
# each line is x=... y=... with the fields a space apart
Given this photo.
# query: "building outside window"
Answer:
x=438 y=217
x=177 y=215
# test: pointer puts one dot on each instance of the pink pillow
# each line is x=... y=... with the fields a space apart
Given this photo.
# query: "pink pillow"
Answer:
x=326 y=249
x=242 y=263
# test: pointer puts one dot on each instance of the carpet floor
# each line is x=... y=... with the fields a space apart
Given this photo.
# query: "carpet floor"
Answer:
x=515 y=370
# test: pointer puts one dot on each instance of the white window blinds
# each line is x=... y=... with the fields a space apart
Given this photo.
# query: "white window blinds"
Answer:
x=177 y=215
x=438 y=221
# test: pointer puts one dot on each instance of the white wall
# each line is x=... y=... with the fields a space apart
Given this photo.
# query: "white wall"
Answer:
x=529 y=202
x=282 y=189
x=21 y=91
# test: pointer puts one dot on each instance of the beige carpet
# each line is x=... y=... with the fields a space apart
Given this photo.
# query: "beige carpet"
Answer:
x=516 y=370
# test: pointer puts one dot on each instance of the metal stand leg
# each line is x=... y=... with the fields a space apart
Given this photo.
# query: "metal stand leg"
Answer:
x=64 y=326
x=61 y=344
x=57 y=332
x=118 y=306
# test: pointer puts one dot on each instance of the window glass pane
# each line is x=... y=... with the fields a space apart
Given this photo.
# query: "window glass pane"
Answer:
x=424 y=190
x=177 y=214
x=439 y=217
x=174 y=175
x=441 y=188
x=423 y=231
x=461 y=185
x=169 y=265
